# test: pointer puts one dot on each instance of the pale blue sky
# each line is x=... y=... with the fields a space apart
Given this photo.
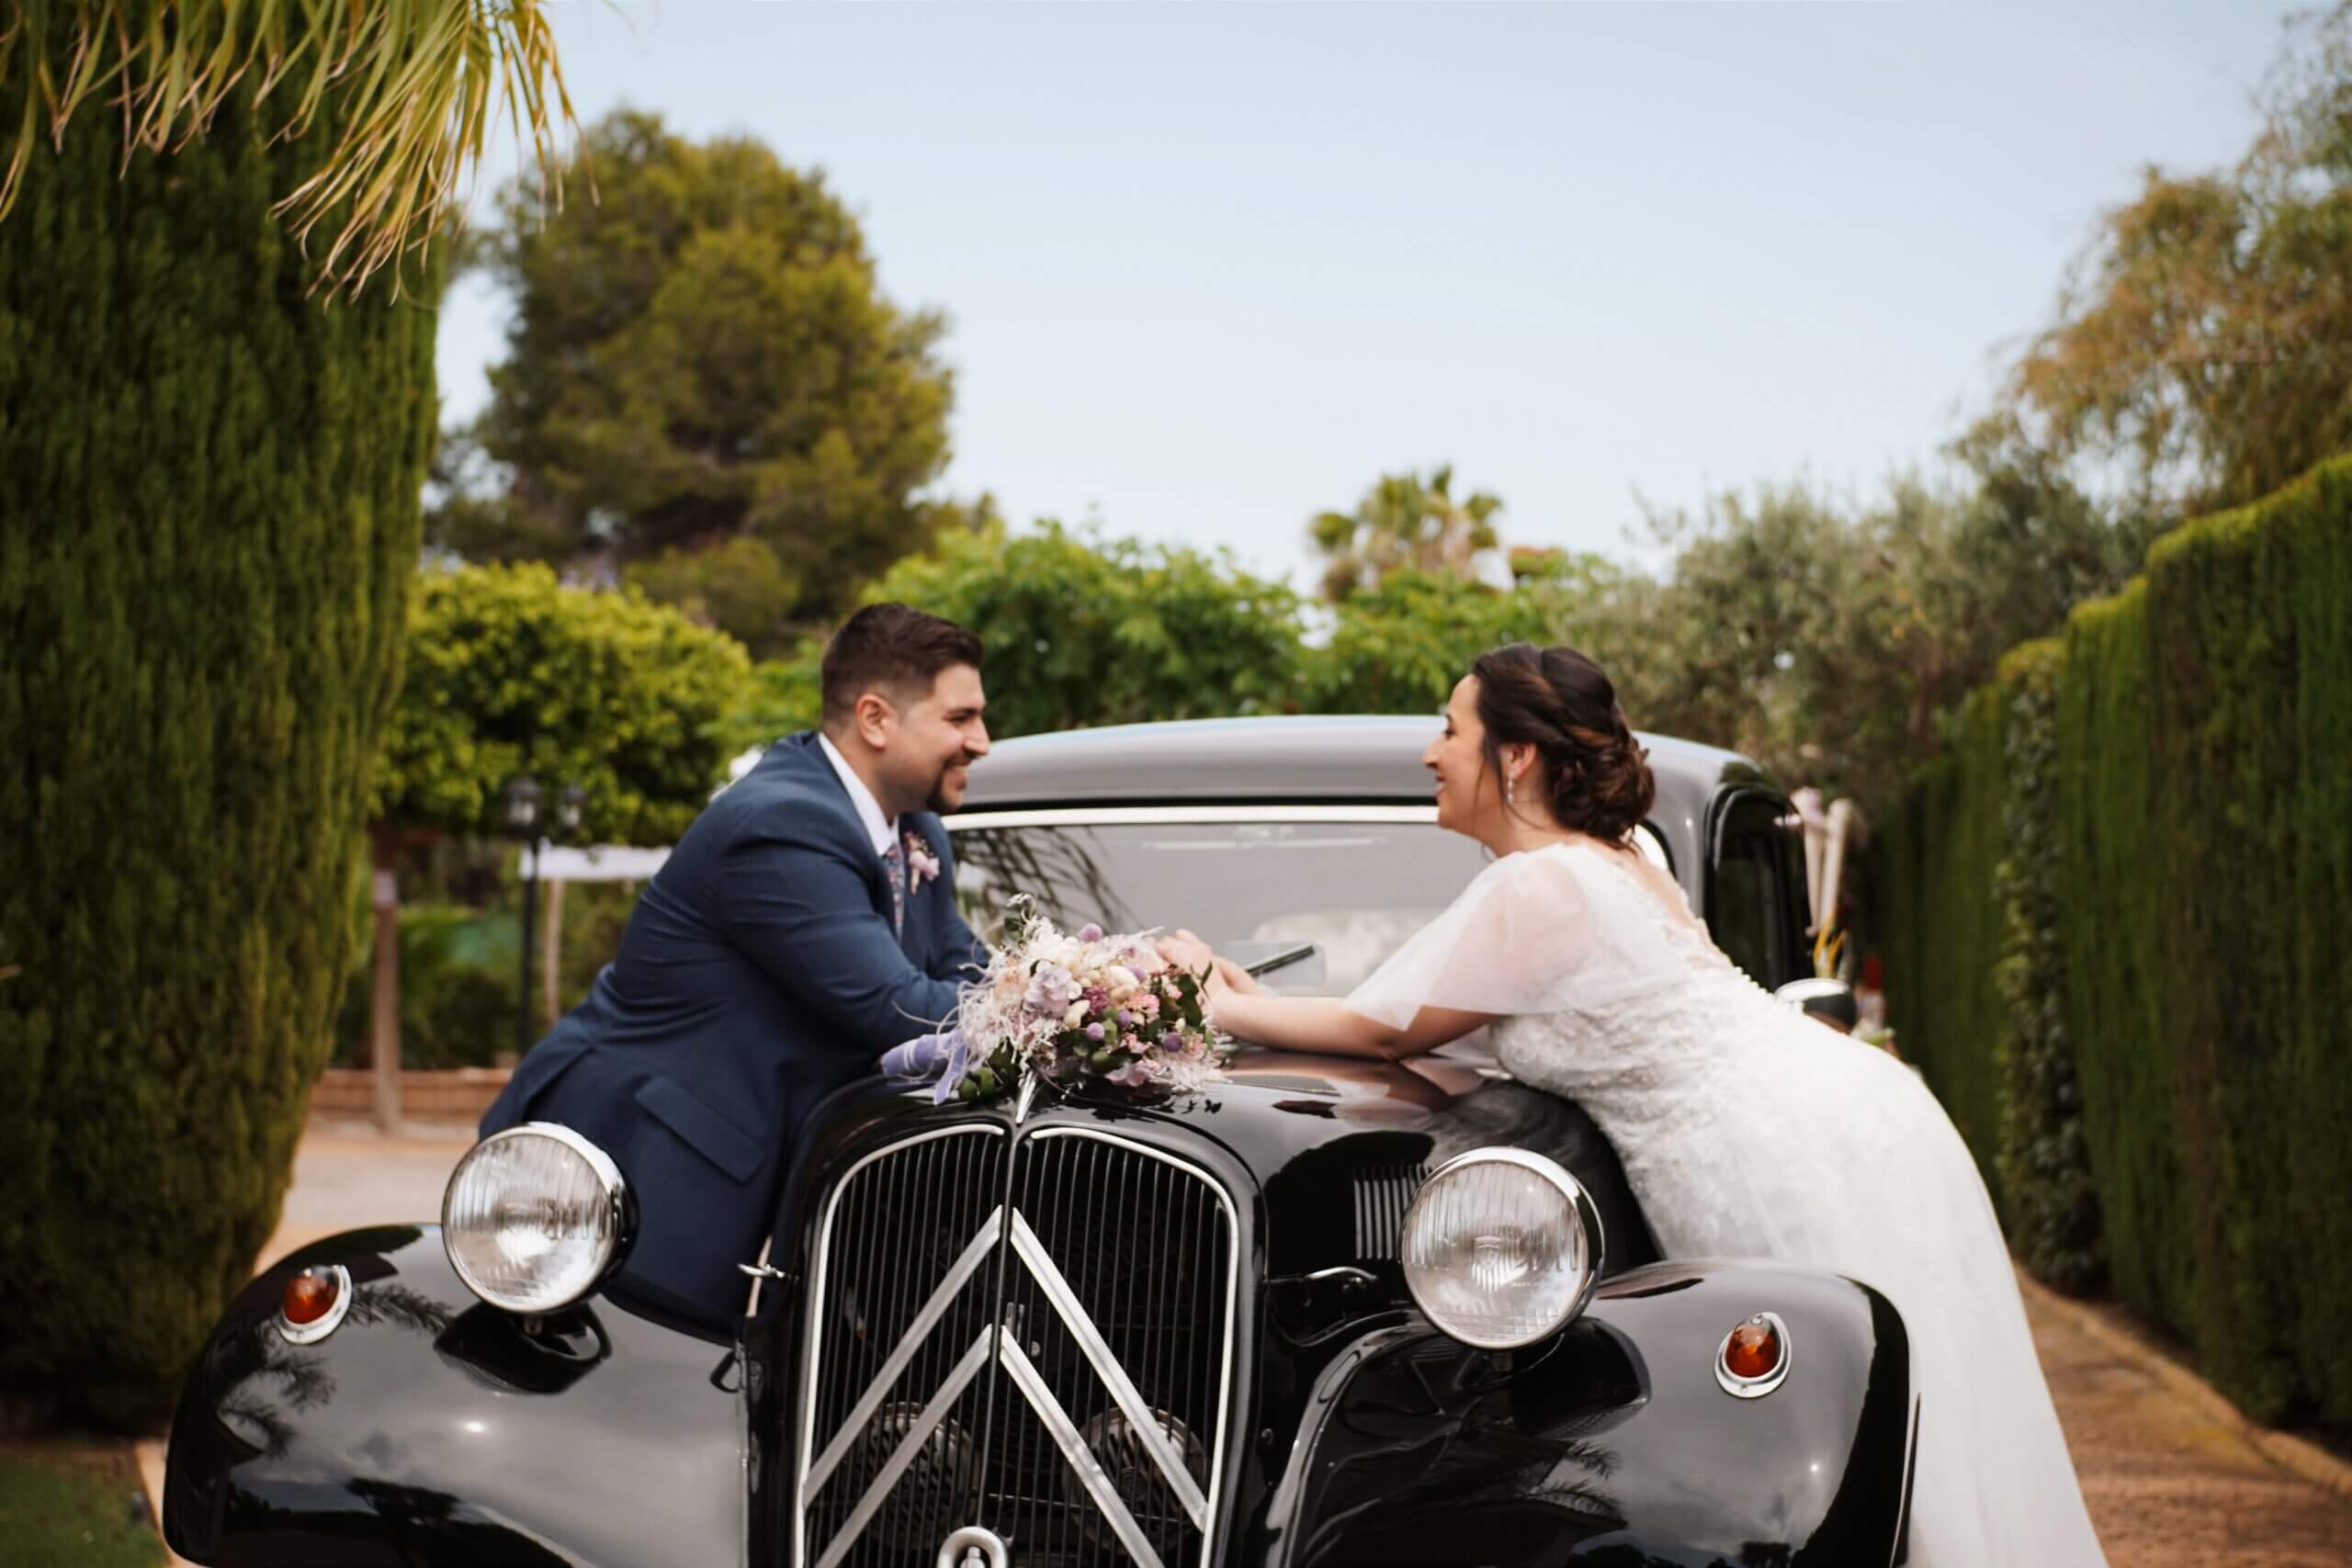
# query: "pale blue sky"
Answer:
x=1212 y=268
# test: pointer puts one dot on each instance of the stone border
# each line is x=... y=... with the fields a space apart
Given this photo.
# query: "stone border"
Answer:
x=151 y=1473
x=2127 y=1341
x=447 y=1094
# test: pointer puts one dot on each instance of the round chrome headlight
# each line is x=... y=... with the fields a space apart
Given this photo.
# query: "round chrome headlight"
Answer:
x=1501 y=1248
x=535 y=1216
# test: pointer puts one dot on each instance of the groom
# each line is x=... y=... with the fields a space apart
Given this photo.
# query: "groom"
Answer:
x=805 y=924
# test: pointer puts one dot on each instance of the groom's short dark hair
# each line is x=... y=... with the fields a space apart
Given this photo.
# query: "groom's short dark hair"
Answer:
x=891 y=648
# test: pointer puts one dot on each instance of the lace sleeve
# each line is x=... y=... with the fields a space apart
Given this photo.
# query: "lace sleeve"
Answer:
x=1535 y=932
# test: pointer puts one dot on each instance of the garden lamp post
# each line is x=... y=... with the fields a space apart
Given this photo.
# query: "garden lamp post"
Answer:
x=523 y=822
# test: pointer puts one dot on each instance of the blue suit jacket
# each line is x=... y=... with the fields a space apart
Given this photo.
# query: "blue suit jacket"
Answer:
x=758 y=974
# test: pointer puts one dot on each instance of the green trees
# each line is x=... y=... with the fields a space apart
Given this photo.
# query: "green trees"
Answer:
x=207 y=526
x=706 y=388
x=509 y=671
x=208 y=522
x=1082 y=631
x=400 y=94
x=1405 y=523
x=2208 y=338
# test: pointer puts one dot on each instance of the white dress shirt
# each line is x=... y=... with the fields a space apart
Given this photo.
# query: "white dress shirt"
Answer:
x=883 y=830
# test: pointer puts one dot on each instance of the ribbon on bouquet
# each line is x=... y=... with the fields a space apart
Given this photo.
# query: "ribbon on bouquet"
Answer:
x=943 y=1056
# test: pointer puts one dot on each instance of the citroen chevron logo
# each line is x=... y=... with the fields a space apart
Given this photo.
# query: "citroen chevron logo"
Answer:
x=992 y=1345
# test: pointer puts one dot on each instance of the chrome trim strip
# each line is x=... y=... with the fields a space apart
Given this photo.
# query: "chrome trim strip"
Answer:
x=814 y=1345
x=1173 y=815
x=934 y=1412
x=976 y=1252
x=1903 y=1515
x=1652 y=847
x=1075 y=1453
x=327 y=1322
x=1122 y=1388
x=1282 y=1508
x=1232 y=1302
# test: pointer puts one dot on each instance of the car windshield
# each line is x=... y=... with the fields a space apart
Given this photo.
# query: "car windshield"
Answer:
x=1255 y=890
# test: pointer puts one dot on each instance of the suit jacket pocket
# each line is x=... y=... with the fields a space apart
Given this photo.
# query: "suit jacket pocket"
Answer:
x=705 y=1131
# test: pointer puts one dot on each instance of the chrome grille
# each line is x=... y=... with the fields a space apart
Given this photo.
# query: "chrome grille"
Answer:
x=903 y=1286
x=1382 y=1193
x=1049 y=1355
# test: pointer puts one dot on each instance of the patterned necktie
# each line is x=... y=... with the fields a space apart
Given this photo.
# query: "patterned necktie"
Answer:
x=894 y=863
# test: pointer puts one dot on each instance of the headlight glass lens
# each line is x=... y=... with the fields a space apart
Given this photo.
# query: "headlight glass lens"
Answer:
x=532 y=1217
x=1500 y=1248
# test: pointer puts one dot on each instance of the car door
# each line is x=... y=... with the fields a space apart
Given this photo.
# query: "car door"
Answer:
x=1755 y=902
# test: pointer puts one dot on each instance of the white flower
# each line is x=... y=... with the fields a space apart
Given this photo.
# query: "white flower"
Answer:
x=1077 y=1014
x=1122 y=978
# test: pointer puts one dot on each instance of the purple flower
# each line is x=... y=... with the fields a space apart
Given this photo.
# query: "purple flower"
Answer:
x=1171 y=1040
x=1095 y=1032
x=1089 y=931
x=1125 y=1017
x=1051 y=990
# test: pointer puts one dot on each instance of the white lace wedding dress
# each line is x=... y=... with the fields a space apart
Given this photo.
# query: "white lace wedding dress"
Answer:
x=1749 y=1130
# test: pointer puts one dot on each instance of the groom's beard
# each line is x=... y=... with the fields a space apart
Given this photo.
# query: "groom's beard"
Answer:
x=948 y=790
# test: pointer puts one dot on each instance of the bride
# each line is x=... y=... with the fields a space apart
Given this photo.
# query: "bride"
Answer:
x=1747 y=1128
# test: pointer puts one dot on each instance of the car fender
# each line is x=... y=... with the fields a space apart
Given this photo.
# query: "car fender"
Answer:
x=1614 y=1441
x=430 y=1427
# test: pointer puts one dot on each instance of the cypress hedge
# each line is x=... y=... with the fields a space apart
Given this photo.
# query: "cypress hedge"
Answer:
x=1942 y=936
x=2178 y=899
x=2108 y=843
x=2041 y=1156
x=208 y=519
x=2252 y=618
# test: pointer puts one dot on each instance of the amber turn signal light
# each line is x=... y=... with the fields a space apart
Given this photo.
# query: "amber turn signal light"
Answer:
x=310 y=1296
x=1753 y=1350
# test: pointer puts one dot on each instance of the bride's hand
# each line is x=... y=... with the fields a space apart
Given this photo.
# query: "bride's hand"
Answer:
x=1185 y=950
x=1239 y=979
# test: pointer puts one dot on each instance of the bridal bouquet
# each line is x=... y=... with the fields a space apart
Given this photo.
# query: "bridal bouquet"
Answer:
x=1065 y=1008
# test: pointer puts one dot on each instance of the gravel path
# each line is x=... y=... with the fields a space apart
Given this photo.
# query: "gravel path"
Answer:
x=2173 y=1481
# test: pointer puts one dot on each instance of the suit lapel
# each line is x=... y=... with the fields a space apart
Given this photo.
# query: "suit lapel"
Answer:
x=826 y=786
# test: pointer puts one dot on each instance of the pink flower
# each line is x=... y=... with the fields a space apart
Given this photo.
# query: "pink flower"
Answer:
x=921 y=861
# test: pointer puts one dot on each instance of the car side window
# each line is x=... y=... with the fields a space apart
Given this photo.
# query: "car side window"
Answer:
x=1756 y=908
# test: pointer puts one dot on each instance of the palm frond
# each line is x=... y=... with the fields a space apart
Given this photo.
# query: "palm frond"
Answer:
x=409 y=86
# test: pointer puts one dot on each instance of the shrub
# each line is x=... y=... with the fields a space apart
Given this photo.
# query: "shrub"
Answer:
x=208 y=483
x=2043 y=1164
x=2177 y=894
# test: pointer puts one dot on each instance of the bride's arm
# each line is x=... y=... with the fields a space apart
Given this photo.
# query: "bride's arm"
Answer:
x=1322 y=1025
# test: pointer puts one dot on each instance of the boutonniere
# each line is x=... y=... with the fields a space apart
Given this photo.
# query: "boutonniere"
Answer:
x=921 y=863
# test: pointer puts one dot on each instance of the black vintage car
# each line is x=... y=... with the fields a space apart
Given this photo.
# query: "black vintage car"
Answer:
x=1326 y=1312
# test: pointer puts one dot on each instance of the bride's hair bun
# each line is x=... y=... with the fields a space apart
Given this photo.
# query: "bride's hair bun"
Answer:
x=1596 y=776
